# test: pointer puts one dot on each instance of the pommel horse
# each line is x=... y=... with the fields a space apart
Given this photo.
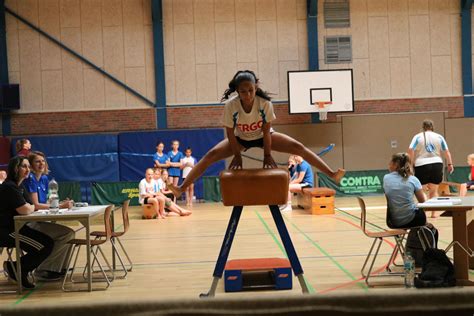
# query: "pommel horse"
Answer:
x=241 y=188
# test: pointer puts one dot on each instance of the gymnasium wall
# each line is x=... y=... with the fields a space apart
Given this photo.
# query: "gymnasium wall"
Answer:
x=113 y=34
x=406 y=58
x=363 y=142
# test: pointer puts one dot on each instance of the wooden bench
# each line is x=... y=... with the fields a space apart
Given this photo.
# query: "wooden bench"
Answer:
x=319 y=200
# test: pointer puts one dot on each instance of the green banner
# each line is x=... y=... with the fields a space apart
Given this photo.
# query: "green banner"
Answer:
x=70 y=190
x=212 y=189
x=114 y=193
x=356 y=182
x=370 y=182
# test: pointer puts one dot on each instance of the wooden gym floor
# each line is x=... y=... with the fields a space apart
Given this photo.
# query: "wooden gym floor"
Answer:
x=174 y=258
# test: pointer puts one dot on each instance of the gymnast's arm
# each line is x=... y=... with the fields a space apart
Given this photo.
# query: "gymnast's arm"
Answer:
x=236 y=163
x=268 y=161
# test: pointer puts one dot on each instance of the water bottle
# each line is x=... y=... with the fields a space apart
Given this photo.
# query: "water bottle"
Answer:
x=409 y=267
x=53 y=196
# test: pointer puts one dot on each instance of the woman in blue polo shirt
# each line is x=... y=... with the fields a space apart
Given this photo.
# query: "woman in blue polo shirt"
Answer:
x=174 y=158
x=53 y=268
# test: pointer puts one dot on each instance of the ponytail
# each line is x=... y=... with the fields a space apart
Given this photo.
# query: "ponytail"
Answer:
x=241 y=76
x=403 y=164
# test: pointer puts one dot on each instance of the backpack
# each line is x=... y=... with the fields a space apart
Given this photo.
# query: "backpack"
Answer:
x=437 y=270
x=414 y=246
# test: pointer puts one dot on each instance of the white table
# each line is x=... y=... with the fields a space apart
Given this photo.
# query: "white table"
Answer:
x=82 y=215
x=462 y=232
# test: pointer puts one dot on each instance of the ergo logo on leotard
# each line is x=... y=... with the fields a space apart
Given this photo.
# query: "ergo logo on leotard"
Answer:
x=250 y=127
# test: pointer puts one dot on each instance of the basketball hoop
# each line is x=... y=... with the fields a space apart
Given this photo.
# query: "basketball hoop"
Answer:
x=323 y=108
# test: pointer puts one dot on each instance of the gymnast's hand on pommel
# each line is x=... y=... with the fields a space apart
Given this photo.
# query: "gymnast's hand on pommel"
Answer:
x=268 y=162
x=236 y=163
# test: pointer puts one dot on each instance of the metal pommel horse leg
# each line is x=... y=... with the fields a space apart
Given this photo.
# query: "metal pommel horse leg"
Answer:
x=240 y=188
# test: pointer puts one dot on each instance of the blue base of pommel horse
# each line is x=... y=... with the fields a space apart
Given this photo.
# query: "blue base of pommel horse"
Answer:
x=254 y=187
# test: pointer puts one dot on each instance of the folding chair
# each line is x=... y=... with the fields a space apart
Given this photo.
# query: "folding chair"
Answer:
x=9 y=252
x=397 y=234
x=95 y=248
x=115 y=238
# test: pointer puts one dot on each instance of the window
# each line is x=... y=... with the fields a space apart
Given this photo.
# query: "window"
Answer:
x=338 y=49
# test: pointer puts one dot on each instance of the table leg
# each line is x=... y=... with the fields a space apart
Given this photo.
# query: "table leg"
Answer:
x=18 y=226
x=461 y=262
x=112 y=224
x=88 y=249
x=470 y=237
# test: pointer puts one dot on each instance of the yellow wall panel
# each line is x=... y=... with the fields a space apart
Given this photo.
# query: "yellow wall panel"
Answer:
x=359 y=27
x=14 y=77
x=30 y=71
x=268 y=55
x=361 y=76
x=113 y=47
x=70 y=13
x=73 y=85
x=49 y=22
x=71 y=37
x=302 y=44
x=245 y=66
x=134 y=44
x=420 y=55
x=377 y=7
x=114 y=94
x=136 y=78
x=170 y=83
x=286 y=66
x=224 y=10
x=149 y=57
x=206 y=82
x=266 y=10
x=13 y=50
x=185 y=64
x=205 y=40
x=111 y=12
x=150 y=83
x=168 y=32
x=301 y=9
x=379 y=78
x=226 y=54
x=147 y=19
x=52 y=87
x=460 y=147
x=92 y=44
x=418 y=7
x=28 y=9
x=246 y=31
x=133 y=12
x=440 y=28
x=456 y=53
x=400 y=77
x=182 y=11
x=287 y=30
x=94 y=90
x=398 y=25
x=442 y=75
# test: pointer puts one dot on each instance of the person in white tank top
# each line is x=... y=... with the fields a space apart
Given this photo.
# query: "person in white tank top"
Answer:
x=188 y=163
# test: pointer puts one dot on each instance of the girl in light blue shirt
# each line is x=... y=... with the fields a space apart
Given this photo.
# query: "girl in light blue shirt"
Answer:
x=401 y=187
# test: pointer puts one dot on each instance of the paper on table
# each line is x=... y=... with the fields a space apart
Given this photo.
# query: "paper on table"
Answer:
x=431 y=204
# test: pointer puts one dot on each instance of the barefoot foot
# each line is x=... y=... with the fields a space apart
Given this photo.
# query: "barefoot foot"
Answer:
x=338 y=175
x=176 y=190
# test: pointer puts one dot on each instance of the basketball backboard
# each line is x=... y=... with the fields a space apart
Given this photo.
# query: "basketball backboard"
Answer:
x=307 y=90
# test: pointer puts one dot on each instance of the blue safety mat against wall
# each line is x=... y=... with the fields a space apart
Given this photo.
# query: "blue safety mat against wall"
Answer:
x=136 y=151
x=82 y=158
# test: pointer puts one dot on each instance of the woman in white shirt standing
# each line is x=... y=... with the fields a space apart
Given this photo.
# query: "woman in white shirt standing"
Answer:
x=426 y=150
x=188 y=163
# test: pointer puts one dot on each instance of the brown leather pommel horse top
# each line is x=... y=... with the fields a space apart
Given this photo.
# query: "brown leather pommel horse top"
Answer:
x=254 y=187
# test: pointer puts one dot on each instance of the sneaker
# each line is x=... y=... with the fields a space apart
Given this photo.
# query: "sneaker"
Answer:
x=9 y=271
x=25 y=282
x=282 y=207
x=288 y=208
x=46 y=275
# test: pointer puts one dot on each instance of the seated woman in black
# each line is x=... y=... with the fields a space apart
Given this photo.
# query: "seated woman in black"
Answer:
x=15 y=201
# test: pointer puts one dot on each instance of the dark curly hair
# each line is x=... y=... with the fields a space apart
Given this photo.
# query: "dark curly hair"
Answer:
x=241 y=76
